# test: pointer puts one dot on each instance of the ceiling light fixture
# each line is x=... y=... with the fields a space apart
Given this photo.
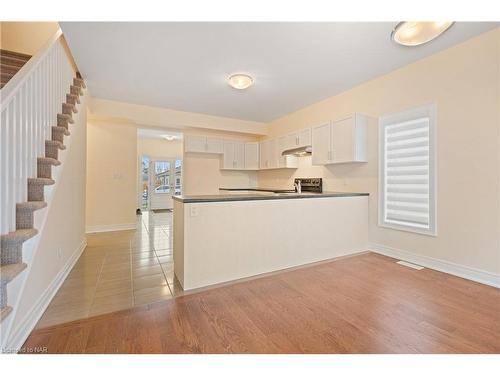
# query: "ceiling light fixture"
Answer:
x=416 y=33
x=169 y=137
x=240 y=81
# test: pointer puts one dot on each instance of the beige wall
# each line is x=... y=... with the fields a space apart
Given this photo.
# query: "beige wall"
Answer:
x=26 y=37
x=111 y=175
x=464 y=83
x=159 y=148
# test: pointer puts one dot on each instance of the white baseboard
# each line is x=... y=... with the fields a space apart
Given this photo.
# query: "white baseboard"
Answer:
x=469 y=273
x=19 y=335
x=110 y=227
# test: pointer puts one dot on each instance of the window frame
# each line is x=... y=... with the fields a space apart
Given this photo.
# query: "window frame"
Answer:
x=429 y=111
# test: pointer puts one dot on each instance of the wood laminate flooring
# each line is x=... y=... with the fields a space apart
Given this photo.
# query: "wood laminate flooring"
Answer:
x=361 y=304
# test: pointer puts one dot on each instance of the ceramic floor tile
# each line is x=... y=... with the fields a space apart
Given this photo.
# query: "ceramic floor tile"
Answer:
x=118 y=270
x=138 y=263
x=115 y=275
x=143 y=255
x=148 y=270
x=161 y=253
x=166 y=259
x=153 y=295
x=148 y=281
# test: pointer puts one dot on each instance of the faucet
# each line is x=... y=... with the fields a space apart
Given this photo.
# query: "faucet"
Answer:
x=298 y=186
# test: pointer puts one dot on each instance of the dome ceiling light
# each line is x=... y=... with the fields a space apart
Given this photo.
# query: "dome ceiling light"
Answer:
x=240 y=81
x=413 y=34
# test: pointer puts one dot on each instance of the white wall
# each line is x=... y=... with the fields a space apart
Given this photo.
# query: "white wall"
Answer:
x=62 y=236
x=464 y=83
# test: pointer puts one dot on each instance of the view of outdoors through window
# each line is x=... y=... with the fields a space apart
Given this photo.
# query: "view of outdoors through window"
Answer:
x=162 y=175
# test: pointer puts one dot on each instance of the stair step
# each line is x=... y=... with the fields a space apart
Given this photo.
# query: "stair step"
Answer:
x=25 y=218
x=79 y=82
x=18 y=236
x=9 y=69
x=58 y=133
x=75 y=90
x=58 y=144
x=72 y=99
x=16 y=55
x=5 y=312
x=11 y=250
x=44 y=167
x=40 y=181
x=49 y=161
x=31 y=206
x=9 y=271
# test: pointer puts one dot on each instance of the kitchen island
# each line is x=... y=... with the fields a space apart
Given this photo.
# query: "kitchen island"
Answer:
x=219 y=238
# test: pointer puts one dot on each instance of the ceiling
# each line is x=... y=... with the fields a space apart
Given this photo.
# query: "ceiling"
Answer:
x=184 y=66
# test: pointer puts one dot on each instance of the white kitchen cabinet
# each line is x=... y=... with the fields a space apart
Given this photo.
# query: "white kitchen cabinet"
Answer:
x=252 y=155
x=299 y=138
x=215 y=145
x=321 y=140
x=234 y=155
x=195 y=143
x=270 y=155
x=342 y=141
x=304 y=137
x=264 y=155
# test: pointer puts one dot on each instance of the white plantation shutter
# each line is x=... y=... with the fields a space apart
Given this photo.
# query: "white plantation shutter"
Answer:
x=406 y=175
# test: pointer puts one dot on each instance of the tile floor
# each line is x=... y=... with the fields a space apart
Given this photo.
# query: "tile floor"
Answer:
x=118 y=270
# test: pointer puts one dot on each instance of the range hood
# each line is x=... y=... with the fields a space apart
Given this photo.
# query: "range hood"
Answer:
x=298 y=151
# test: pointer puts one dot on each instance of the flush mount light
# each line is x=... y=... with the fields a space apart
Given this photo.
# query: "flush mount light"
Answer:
x=416 y=33
x=240 y=81
x=169 y=137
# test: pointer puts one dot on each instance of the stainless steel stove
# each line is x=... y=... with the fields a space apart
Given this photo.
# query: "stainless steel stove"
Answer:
x=310 y=185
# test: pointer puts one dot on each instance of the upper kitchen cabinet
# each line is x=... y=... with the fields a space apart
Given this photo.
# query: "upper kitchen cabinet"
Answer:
x=252 y=155
x=342 y=141
x=300 y=138
x=233 y=156
x=271 y=157
x=194 y=143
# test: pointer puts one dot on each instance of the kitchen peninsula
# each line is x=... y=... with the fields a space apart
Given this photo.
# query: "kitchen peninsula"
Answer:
x=263 y=232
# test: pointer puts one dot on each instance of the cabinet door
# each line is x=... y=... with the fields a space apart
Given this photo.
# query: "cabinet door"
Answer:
x=252 y=155
x=292 y=140
x=239 y=155
x=215 y=145
x=342 y=140
x=228 y=157
x=281 y=145
x=304 y=137
x=264 y=154
x=321 y=144
x=273 y=154
x=195 y=143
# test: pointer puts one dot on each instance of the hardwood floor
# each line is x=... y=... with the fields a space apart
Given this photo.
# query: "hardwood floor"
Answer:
x=361 y=304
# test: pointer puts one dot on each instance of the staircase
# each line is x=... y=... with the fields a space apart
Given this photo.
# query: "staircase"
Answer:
x=10 y=63
x=32 y=132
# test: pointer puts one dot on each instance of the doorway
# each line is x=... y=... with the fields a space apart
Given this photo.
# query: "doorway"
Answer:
x=161 y=179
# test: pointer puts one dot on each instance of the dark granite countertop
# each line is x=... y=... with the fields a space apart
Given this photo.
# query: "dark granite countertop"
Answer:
x=261 y=194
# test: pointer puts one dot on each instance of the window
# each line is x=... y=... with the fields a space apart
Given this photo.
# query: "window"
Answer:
x=407 y=190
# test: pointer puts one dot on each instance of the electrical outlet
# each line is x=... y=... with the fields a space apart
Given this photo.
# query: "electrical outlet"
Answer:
x=194 y=210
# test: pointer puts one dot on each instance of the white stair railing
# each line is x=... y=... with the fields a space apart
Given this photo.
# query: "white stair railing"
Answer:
x=29 y=105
